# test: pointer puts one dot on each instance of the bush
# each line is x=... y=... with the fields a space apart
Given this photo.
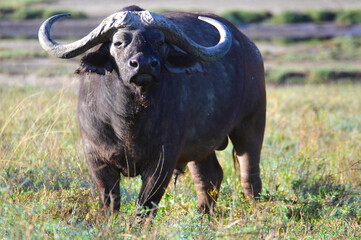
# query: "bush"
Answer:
x=290 y=17
x=321 y=15
x=325 y=75
x=29 y=13
x=349 y=17
x=317 y=16
x=74 y=14
x=6 y=10
x=26 y=14
x=241 y=17
x=284 y=76
x=320 y=75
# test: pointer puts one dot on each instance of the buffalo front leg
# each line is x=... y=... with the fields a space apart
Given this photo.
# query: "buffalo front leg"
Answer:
x=207 y=175
x=247 y=141
x=106 y=178
x=155 y=180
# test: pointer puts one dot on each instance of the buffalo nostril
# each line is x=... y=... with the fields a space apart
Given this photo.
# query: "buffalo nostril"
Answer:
x=133 y=63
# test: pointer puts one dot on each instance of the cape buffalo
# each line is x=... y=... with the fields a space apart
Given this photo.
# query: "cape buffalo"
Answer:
x=162 y=92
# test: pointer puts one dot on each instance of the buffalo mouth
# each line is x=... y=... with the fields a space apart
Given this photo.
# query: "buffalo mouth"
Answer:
x=143 y=80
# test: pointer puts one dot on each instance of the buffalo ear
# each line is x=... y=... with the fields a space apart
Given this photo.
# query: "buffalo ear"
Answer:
x=179 y=61
x=98 y=61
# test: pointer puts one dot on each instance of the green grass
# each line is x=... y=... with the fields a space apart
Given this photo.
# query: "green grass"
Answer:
x=338 y=48
x=313 y=61
x=310 y=170
x=19 y=54
x=21 y=3
x=12 y=9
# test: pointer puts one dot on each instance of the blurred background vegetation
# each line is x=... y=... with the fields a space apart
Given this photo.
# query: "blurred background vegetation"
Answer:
x=238 y=17
x=17 y=10
x=29 y=9
x=311 y=159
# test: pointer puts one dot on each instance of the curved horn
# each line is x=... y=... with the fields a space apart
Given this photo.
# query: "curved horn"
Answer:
x=123 y=19
x=98 y=35
x=175 y=35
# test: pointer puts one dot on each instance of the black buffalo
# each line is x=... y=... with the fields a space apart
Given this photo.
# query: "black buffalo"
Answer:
x=164 y=91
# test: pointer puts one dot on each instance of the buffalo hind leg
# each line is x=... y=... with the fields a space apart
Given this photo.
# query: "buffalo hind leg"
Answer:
x=207 y=175
x=106 y=178
x=247 y=141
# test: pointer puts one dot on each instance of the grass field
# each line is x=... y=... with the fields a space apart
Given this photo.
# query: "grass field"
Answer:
x=311 y=166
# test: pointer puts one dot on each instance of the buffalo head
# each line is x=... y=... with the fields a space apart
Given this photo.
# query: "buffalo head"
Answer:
x=138 y=42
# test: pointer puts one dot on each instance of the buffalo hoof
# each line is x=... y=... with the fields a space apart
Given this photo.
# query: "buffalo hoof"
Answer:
x=144 y=219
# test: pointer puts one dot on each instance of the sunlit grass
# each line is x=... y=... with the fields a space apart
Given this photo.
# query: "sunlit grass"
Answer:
x=19 y=54
x=311 y=165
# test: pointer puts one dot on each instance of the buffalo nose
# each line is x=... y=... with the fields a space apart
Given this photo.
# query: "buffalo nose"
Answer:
x=142 y=63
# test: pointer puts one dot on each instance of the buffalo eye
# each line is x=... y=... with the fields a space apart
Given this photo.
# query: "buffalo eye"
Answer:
x=161 y=43
x=118 y=44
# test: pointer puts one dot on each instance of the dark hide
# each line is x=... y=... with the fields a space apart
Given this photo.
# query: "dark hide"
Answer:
x=179 y=113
